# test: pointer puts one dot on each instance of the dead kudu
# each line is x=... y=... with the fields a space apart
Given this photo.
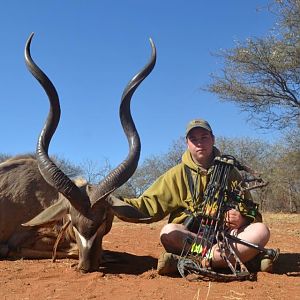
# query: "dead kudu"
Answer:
x=89 y=208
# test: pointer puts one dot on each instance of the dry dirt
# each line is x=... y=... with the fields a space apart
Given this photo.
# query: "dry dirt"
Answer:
x=136 y=248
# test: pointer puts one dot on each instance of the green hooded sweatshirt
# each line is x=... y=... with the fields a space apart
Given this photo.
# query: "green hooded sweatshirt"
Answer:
x=170 y=193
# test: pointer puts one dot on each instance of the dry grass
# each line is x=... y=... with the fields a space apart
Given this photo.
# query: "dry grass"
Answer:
x=281 y=217
x=197 y=296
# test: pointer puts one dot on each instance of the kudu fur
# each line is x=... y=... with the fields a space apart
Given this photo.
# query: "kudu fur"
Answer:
x=23 y=194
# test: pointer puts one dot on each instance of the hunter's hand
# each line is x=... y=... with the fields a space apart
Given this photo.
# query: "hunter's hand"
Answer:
x=234 y=219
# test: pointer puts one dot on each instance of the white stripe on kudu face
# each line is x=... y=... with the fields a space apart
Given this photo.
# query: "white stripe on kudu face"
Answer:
x=85 y=243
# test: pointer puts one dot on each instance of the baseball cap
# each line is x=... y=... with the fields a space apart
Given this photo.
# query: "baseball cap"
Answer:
x=198 y=123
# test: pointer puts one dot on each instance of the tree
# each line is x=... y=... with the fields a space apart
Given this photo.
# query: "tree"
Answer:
x=94 y=173
x=144 y=176
x=284 y=174
x=262 y=76
x=70 y=169
x=152 y=167
x=4 y=157
x=173 y=156
x=246 y=150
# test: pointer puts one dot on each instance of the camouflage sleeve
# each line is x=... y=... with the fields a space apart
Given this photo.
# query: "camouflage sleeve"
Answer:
x=244 y=201
x=249 y=209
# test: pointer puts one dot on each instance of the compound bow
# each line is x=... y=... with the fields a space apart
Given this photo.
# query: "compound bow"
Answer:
x=195 y=259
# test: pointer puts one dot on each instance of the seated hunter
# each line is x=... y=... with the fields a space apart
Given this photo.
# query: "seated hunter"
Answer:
x=171 y=195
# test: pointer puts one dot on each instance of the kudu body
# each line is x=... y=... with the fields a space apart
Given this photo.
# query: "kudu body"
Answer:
x=89 y=208
x=23 y=194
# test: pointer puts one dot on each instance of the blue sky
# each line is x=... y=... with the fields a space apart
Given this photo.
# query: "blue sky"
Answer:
x=90 y=50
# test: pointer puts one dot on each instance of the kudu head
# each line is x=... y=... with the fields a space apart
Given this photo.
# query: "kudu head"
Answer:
x=90 y=208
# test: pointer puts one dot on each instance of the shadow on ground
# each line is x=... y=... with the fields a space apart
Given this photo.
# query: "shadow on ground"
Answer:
x=288 y=264
x=126 y=263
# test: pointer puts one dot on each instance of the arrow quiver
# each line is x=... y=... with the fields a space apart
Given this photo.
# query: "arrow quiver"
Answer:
x=195 y=260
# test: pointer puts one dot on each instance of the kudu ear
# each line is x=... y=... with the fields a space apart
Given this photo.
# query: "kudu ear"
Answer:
x=126 y=212
x=50 y=214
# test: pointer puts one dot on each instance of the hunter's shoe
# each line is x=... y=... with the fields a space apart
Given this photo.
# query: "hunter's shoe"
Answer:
x=167 y=263
x=267 y=261
x=263 y=262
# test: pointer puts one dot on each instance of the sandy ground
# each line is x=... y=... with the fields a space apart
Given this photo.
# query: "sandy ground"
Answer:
x=133 y=275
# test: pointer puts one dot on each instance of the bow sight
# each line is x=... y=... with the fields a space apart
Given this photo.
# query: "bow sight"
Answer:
x=195 y=259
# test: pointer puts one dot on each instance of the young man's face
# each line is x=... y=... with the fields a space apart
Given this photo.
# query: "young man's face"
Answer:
x=200 y=143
